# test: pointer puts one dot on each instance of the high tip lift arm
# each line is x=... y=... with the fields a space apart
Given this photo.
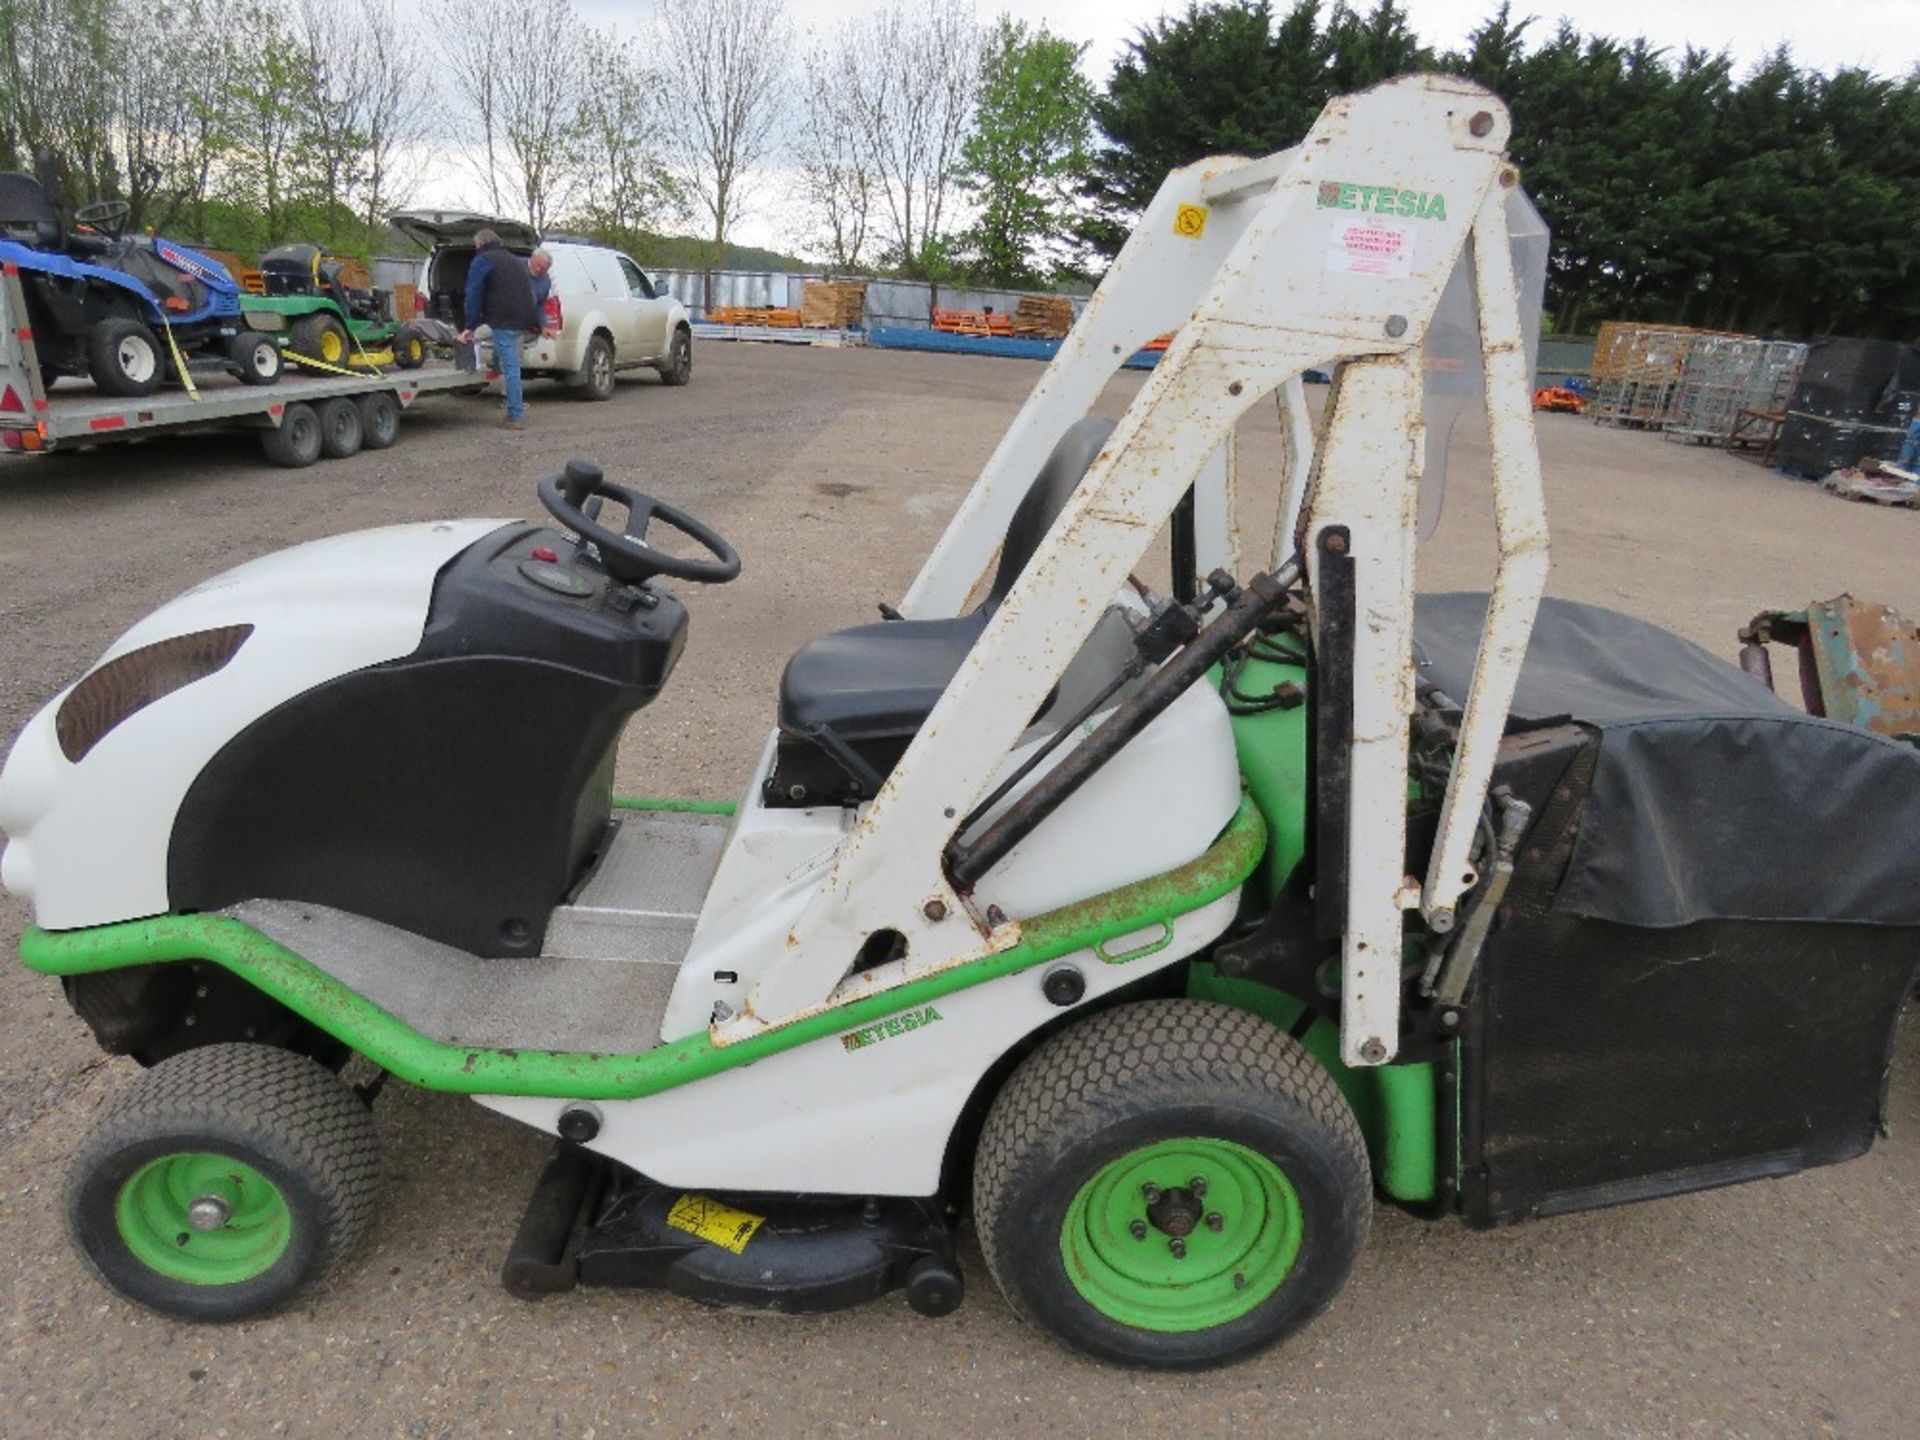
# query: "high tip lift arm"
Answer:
x=1333 y=253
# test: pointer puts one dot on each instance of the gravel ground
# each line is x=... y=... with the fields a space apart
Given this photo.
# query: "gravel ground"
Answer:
x=1782 y=1308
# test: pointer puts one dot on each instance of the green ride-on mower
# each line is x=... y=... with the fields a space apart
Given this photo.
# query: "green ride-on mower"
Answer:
x=329 y=325
x=1158 y=935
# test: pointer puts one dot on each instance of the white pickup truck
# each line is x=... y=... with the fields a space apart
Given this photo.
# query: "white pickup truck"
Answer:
x=603 y=316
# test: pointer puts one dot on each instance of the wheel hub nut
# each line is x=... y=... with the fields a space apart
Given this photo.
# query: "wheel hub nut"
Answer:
x=1138 y=1229
x=208 y=1212
x=1178 y=1247
x=1214 y=1221
x=1150 y=1192
x=1198 y=1185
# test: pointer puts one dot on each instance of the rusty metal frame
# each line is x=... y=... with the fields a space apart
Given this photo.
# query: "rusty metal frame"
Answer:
x=1265 y=292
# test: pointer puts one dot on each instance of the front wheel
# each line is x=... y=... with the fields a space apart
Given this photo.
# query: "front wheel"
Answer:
x=1174 y=1183
x=255 y=358
x=224 y=1181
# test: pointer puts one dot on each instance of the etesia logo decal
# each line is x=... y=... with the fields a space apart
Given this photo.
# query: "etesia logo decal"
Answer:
x=1383 y=200
x=901 y=1024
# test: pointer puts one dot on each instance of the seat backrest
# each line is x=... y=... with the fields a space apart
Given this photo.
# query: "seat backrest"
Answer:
x=1044 y=500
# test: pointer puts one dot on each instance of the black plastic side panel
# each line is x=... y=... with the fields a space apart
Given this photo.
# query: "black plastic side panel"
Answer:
x=1612 y=1063
x=457 y=793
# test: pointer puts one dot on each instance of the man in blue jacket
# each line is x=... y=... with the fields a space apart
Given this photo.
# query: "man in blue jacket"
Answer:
x=500 y=295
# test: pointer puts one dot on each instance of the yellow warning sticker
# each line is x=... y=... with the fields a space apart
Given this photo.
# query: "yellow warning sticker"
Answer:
x=713 y=1222
x=1190 y=221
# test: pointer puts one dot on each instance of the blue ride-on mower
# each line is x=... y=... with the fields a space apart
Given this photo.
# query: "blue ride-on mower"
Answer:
x=126 y=310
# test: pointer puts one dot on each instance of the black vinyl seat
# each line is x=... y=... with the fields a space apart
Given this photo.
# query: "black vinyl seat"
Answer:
x=852 y=700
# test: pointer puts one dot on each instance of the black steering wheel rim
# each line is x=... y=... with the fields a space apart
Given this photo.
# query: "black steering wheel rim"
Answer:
x=105 y=214
x=625 y=553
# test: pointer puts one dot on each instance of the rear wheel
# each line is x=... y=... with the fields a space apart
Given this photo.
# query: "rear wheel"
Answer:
x=679 y=367
x=254 y=357
x=123 y=357
x=340 y=429
x=594 y=378
x=320 y=337
x=224 y=1181
x=1173 y=1183
x=295 y=443
x=379 y=419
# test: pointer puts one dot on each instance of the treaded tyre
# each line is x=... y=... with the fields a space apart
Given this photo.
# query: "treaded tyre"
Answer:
x=594 y=378
x=123 y=357
x=679 y=367
x=409 y=348
x=379 y=419
x=340 y=428
x=254 y=358
x=320 y=337
x=1085 y=1193
x=223 y=1182
x=295 y=441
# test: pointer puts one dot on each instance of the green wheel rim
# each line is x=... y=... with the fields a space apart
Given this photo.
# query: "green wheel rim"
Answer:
x=1120 y=1251
x=155 y=1219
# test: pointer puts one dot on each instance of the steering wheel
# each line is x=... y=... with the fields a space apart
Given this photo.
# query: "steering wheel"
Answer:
x=625 y=553
x=105 y=214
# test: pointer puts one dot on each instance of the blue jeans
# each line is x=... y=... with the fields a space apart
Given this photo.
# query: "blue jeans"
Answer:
x=506 y=359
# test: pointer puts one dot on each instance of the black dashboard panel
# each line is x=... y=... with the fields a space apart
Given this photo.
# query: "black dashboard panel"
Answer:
x=456 y=792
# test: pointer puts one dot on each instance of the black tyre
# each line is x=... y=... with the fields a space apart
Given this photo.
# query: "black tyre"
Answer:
x=679 y=367
x=123 y=357
x=223 y=1182
x=296 y=442
x=409 y=348
x=1173 y=1184
x=320 y=337
x=254 y=358
x=379 y=419
x=594 y=378
x=340 y=429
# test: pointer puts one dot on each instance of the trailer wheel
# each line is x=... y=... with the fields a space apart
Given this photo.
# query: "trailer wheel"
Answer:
x=1173 y=1183
x=379 y=419
x=320 y=337
x=255 y=358
x=123 y=357
x=340 y=430
x=224 y=1181
x=296 y=442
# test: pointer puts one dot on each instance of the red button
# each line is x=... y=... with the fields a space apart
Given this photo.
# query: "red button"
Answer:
x=541 y=552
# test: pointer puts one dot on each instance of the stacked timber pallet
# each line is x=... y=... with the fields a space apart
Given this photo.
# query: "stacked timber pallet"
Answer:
x=972 y=322
x=1043 y=317
x=833 y=304
x=770 y=316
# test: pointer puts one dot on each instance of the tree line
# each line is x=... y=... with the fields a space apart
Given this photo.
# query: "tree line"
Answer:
x=1778 y=200
x=915 y=139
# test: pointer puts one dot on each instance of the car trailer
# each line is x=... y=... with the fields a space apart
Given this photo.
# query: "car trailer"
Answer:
x=301 y=419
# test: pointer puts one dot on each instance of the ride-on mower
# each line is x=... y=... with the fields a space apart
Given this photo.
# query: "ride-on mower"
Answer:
x=326 y=320
x=1158 y=932
x=123 y=309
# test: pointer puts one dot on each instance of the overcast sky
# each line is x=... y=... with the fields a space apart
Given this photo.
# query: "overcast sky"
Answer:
x=1881 y=35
